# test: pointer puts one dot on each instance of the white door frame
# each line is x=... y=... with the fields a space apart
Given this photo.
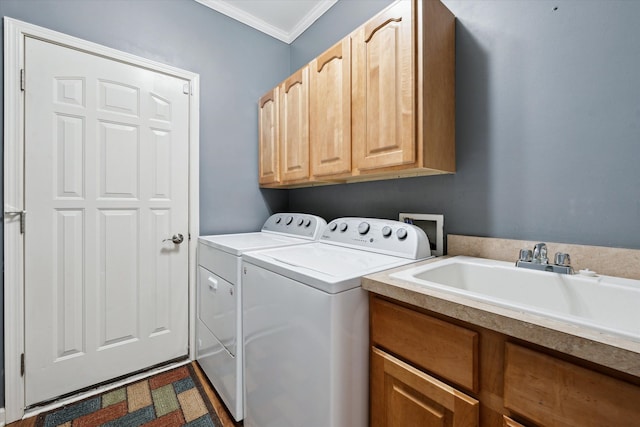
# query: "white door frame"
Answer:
x=14 y=36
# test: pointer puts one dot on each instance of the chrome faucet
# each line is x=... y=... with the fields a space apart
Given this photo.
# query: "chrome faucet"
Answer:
x=540 y=253
x=538 y=260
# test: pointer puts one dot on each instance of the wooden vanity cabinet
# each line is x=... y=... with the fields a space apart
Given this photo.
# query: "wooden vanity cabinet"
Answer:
x=402 y=395
x=330 y=112
x=427 y=369
x=406 y=348
x=403 y=74
x=554 y=392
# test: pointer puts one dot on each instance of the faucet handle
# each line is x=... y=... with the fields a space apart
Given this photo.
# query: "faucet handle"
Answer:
x=562 y=259
x=525 y=255
x=540 y=253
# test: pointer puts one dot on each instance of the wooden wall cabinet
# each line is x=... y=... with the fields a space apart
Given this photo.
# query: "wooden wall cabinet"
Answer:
x=294 y=127
x=330 y=112
x=269 y=139
x=404 y=91
x=381 y=103
x=283 y=149
x=427 y=369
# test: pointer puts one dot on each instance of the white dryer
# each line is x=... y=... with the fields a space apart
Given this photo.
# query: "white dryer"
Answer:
x=306 y=322
x=219 y=297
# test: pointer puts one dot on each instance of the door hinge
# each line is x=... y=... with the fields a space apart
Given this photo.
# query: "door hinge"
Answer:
x=22 y=365
x=186 y=89
x=22 y=82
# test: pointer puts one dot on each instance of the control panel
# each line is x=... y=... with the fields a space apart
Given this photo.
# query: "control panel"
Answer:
x=378 y=235
x=295 y=224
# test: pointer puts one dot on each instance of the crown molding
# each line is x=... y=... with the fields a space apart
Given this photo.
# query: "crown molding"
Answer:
x=227 y=8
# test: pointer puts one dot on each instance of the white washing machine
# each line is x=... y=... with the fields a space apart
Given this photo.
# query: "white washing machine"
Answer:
x=306 y=334
x=219 y=297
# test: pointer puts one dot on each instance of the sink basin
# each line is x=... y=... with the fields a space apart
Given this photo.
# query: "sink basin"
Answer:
x=607 y=304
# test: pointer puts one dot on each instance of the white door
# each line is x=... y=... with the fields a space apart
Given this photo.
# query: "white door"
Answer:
x=106 y=181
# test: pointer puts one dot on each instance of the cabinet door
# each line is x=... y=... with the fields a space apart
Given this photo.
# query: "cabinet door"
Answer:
x=268 y=169
x=402 y=395
x=384 y=90
x=294 y=127
x=330 y=111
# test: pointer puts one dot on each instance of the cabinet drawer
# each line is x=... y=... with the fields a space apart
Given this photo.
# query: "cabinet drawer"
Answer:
x=553 y=392
x=446 y=350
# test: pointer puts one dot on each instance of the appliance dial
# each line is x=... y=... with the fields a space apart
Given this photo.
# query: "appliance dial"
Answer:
x=401 y=233
x=307 y=222
x=386 y=231
x=333 y=226
x=300 y=222
x=278 y=220
x=363 y=228
x=289 y=220
x=343 y=226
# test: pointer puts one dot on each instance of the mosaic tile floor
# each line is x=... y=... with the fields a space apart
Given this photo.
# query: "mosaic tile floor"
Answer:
x=172 y=398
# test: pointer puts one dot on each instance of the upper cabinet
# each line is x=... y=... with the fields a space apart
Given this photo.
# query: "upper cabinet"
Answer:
x=294 y=127
x=284 y=132
x=268 y=138
x=384 y=90
x=381 y=103
x=330 y=112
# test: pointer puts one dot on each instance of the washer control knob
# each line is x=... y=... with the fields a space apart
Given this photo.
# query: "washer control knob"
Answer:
x=333 y=226
x=363 y=228
x=386 y=231
x=278 y=220
x=401 y=233
x=343 y=226
x=307 y=222
x=300 y=222
x=289 y=220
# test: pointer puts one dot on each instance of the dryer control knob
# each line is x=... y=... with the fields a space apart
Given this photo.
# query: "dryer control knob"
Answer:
x=386 y=231
x=300 y=222
x=333 y=226
x=363 y=228
x=401 y=233
x=278 y=220
x=307 y=222
x=289 y=220
x=343 y=226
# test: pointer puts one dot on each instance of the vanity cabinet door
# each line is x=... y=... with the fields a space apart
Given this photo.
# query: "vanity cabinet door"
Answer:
x=330 y=111
x=402 y=395
x=384 y=90
x=294 y=127
x=553 y=392
x=268 y=138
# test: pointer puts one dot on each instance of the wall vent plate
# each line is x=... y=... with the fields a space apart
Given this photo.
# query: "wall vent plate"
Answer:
x=432 y=224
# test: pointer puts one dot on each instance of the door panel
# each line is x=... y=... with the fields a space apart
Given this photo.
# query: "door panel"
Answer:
x=106 y=181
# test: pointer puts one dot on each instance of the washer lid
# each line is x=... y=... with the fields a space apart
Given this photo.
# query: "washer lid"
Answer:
x=329 y=268
x=236 y=244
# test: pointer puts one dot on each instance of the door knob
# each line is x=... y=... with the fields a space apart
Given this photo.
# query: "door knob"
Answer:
x=176 y=238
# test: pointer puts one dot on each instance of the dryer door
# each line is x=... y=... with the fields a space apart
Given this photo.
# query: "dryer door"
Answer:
x=217 y=308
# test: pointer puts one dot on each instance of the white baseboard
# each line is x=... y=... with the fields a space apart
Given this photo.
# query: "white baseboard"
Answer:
x=2 y=417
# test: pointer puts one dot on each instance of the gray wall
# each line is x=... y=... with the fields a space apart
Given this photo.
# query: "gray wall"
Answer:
x=548 y=125
x=236 y=65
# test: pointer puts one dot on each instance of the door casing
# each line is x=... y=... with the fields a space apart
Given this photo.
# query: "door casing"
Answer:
x=15 y=32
